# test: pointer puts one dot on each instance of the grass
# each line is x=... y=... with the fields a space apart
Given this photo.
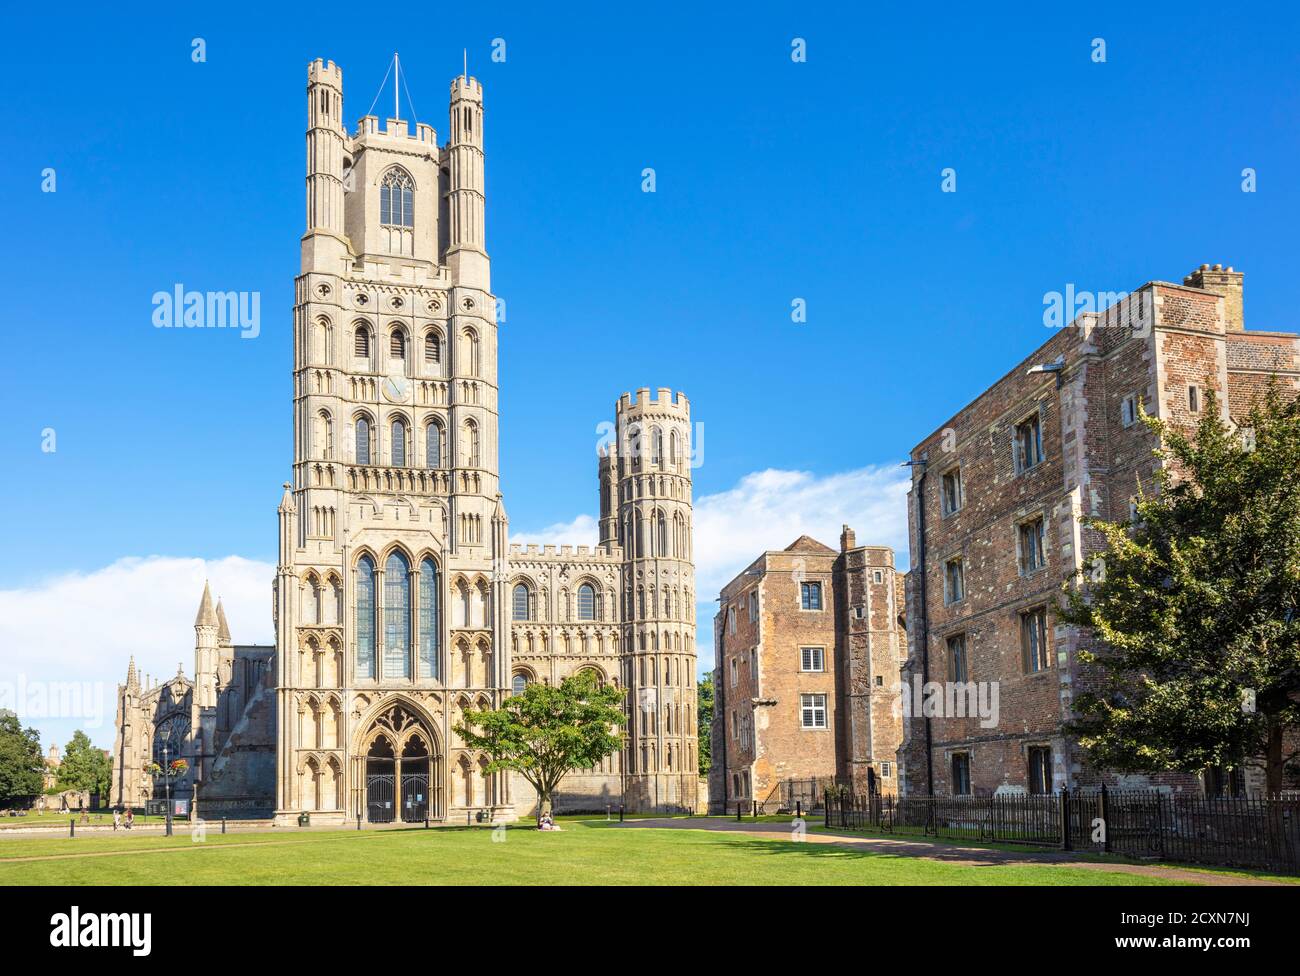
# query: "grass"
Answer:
x=583 y=852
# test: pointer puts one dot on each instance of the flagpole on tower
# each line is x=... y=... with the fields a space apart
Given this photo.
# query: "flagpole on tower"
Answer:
x=397 y=70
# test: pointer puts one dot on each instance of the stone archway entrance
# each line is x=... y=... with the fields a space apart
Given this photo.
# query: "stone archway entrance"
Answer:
x=400 y=770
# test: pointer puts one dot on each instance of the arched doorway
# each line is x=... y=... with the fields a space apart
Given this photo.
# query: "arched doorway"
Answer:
x=415 y=780
x=380 y=781
x=401 y=774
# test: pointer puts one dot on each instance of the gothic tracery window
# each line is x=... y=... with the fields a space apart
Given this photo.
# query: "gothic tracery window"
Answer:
x=429 y=626
x=365 y=609
x=397 y=199
x=397 y=617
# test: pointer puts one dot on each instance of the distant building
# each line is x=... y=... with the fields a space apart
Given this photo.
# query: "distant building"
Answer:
x=808 y=642
x=998 y=496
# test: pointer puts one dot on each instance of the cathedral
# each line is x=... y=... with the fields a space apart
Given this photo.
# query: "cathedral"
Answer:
x=399 y=602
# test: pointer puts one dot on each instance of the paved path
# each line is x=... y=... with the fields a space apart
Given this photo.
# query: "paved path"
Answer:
x=949 y=853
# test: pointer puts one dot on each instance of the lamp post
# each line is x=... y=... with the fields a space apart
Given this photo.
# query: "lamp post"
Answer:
x=168 y=770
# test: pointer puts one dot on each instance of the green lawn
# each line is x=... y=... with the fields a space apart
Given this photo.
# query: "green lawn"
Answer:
x=582 y=853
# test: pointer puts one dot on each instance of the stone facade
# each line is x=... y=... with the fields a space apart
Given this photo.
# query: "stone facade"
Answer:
x=808 y=642
x=995 y=519
x=398 y=601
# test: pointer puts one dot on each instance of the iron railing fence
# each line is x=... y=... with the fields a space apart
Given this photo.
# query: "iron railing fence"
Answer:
x=1243 y=832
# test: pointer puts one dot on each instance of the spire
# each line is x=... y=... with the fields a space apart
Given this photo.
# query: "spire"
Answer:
x=223 y=628
x=286 y=500
x=132 y=676
x=207 y=616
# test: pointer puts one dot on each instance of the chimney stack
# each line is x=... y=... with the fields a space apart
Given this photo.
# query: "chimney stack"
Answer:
x=1226 y=283
x=848 y=539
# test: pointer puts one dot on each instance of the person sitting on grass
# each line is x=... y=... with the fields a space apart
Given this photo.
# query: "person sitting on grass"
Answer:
x=547 y=822
x=130 y=818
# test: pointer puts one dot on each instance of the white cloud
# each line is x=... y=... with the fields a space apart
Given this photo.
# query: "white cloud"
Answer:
x=582 y=531
x=770 y=509
x=82 y=628
x=66 y=641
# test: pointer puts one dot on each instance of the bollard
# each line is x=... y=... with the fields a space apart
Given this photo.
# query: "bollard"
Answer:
x=469 y=819
x=738 y=809
x=72 y=828
x=753 y=808
x=426 y=823
x=223 y=825
x=798 y=808
x=620 y=813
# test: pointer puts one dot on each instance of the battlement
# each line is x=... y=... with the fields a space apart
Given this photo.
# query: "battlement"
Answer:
x=598 y=553
x=466 y=88
x=368 y=128
x=663 y=401
x=322 y=72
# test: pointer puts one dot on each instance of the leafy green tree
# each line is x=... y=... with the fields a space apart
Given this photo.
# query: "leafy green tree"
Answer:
x=1195 y=603
x=22 y=766
x=704 y=722
x=84 y=767
x=547 y=731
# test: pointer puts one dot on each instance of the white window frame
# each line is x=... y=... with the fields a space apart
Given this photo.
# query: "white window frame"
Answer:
x=806 y=657
x=812 y=705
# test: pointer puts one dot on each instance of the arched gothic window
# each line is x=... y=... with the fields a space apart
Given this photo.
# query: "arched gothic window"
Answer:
x=471 y=445
x=519 y=603
x=656 y=445
x=397 y=344
x=518 y=683
x=429 y=624
x=397 y=199
x=433 y=446
x=361 y=342
x=363 y=440
x=325 y=444
x=469 y=364
x=672 y=448
x=397 y=617
x=432 y=348
x=365 y=610
x=399 y=443
x=586 y=602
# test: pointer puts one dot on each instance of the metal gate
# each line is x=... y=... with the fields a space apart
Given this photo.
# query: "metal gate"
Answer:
x=415 y=796
x=379 y=797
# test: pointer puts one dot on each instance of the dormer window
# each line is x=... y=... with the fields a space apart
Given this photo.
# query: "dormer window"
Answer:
x=397 y=199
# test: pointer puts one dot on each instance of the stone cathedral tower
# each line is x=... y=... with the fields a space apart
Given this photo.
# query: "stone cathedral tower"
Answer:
x=398 y=601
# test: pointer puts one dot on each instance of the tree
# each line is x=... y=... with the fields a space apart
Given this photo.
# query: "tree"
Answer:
x=84 y=767
x=22 y=766
x=1194 y=603
x=547 y=731
x=704 y=722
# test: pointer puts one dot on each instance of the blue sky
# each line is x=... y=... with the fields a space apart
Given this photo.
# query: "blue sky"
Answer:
x=775 y=181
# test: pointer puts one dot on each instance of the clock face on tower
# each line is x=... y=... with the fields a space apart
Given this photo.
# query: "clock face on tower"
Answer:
x=395 y=389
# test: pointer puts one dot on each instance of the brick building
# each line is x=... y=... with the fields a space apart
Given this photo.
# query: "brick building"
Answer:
x=995 y=520
x=808 y=642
